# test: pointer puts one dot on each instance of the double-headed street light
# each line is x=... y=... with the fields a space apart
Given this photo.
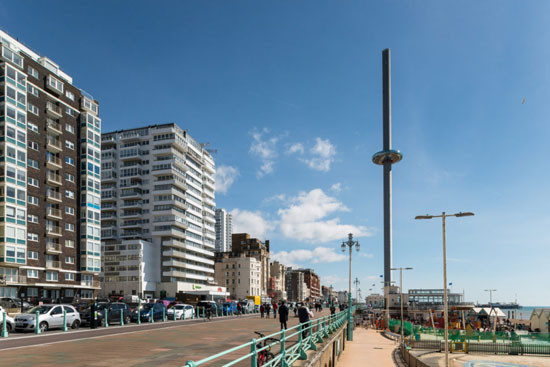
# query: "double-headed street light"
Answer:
x=350 y=243
x=401 y=297
x=445 y=310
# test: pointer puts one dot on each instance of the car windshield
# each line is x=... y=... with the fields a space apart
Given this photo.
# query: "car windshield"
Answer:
x=41 y=309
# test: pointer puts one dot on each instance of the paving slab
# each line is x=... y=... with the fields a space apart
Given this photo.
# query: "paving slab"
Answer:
x=368 y=348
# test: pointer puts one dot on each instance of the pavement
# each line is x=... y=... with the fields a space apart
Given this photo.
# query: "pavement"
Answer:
x=368 y=348
x=161 y=344
x=436 y=359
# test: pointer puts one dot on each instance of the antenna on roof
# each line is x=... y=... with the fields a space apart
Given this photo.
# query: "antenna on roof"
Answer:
x=207 y=144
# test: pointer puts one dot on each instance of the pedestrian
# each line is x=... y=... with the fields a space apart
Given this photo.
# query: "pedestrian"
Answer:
x=304 y=315
x=332 y=309
x=275 y=307
x=283 y=315
x=262 y=310
x=267 y=309
x=239 y=309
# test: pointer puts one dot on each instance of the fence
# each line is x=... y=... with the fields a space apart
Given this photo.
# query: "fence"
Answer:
x=514 y=348
x=307 y=334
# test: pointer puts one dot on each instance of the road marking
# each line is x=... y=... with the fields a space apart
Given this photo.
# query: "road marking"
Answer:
x=104 y=336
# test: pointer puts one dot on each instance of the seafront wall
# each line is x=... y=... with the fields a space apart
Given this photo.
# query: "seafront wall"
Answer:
x=328 y=352
x=411 y=360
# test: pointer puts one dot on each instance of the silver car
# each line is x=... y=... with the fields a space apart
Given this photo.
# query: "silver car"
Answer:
x=10 y=324
x=50 y=317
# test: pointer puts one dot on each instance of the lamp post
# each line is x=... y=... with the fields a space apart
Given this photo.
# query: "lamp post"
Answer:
x=356 y=282
x=491 y=305
x=401 y=297
x=350 y=243
x=445 y=309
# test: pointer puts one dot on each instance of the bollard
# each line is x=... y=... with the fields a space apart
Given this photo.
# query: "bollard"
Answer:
x=64 y=321
x=106 y=318
x=151 y=318
x=254 y=356
x=163 y=314
x=4 y=326
x=139 y=312
x=197 y=313
x=175 y=314
x=121 y=318
x=37 y=326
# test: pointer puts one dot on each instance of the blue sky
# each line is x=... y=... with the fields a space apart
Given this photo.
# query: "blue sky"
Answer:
x=290 y=94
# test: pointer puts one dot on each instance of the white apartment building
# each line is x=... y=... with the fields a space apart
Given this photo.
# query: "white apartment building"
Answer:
x=224 y=230
x=241 y=275
x=158 y=186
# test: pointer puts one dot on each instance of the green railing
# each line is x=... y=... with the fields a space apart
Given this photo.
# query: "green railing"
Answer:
x=292 y=344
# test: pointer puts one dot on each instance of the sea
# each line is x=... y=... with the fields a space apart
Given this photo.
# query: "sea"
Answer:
x=521 y=313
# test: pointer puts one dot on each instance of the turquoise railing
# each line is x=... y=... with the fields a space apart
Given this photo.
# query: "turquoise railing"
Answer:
x=304 y=337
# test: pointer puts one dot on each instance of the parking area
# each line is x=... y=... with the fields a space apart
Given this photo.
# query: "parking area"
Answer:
x=162 y=344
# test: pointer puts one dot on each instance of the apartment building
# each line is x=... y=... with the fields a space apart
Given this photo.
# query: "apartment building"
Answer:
x=241 y=275
x=242 y=243
x=224 y=230
x=49 y=180
x=277 y=283
x=158 y=186
x=296 y=288
x=313 y=283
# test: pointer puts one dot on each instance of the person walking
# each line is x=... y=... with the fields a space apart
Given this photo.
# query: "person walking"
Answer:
x=239 y=309
x=304 y=315
x=267 y=309
x=275 y=307
x=262 y=310
x=332 y=309
x=283 y=315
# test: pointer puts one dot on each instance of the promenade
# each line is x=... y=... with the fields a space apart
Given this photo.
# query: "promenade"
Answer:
x=161 y=344
x=368 y=348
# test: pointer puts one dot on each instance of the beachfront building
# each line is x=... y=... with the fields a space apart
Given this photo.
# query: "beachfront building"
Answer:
x=375 y=300
x=277 y=281
x=50 y=180
x=224 y=230
x=296 y=287
x=240 y=274
x=158 y=186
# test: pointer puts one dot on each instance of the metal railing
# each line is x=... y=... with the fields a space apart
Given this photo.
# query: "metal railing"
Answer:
x=304 y=337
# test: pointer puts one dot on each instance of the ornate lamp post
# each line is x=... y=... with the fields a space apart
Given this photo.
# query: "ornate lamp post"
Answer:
x=350 y=243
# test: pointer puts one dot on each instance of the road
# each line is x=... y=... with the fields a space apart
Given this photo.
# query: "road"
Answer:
x=160 y=344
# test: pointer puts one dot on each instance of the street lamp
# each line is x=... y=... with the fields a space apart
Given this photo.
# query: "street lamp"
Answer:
x=491 y=303
x=350 y=243
x=401 y=289
x=445 y=310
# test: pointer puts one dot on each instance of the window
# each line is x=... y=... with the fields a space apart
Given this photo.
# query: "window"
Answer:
x=32 y=127
x=69 y=243
x=69 y=227
x=55 y=84
x=69 y=160
x=69 y=210
x=86 y=294
x=32 y=237
x=32 y=90
x=69 y=194
x=32 y=255
x=32 y=109
x=69 y=144
x=33 y=145
x=69 y=259
x=32 y=163
x=12 y=56
x=51 y=276
x=33 y=200
x=69 y=177
x=69 y=128
x=70 y=95
x=69 y=276
x=32 y=273
x=32 y=181
x=32 y=72
x=32 y=218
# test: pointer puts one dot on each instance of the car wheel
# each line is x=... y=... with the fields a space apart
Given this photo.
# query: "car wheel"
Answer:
x=9 y=327
x=43 y=326
x=75 y=325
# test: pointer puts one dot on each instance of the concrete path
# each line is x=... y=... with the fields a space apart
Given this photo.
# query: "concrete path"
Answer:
x=368 y=348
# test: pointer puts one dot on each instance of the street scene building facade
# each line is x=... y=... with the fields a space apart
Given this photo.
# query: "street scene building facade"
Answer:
x=224 y=230
x=158 y=186
x=49 y=181
x=241 y=275
x=277 y=281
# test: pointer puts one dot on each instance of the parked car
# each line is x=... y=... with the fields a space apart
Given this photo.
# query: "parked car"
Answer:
x=10 y=323
x=50 y=317
x=13 y=302
x=113 y=310
x=147 y=309
x=181 y=310
x=229 y=307
x=248 y=305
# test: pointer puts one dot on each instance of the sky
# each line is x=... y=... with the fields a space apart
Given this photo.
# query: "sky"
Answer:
x=289 y=93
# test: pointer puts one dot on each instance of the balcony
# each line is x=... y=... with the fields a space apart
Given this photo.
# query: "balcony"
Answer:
x=131 y=224
x=53 y=247
x=53 y=264
x=54 y=196
x=131 y=214
x=53 y=162
x=54 y=110
x=131 y=204
x=53 y=127
x=131 y=194
x=54 y=145
x=131 y=233
x=53 y=213
x=90 y=283
x=54 y=231
x=108 y=176
x=54 y=179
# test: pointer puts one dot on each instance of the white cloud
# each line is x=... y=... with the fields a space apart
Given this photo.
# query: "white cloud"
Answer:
x=315 y=256
x=334 y=280
x=295 y=148
x=337 y=187
x=322 y=155
x=366 y=255
x=373 y=277
x=306 y=219
x=253 y=223
x=225 y=176
x=265 y=150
